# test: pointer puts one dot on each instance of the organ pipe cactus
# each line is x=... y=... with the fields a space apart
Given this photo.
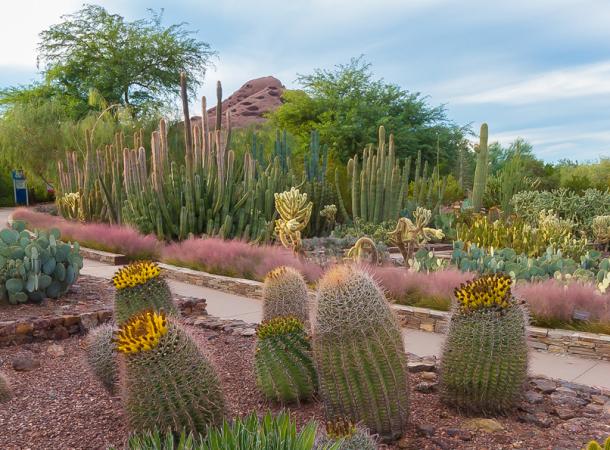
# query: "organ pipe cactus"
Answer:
x=102 y=355
x=167 y=383
x=5 y=389
x=359 y=353
x=484 y=361
x=481 y=169
x=139 y=286
x=294 y=210
x=285 y=294
x=284 y=367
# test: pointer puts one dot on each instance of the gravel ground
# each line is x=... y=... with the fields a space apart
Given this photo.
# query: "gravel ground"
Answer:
x=60 y=406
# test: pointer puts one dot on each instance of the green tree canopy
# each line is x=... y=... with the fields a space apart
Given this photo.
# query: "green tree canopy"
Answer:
x=347 y=105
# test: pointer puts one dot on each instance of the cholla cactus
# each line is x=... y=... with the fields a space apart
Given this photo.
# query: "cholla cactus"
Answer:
x=484 y=361
x=5 y=389
x=601 y=230
x=347 y=435
x=70 y=206
x=102 y=355
x=594 y=445
x=363 y=247
x=285 y=294
x=139 y=286
x=359 y=353
x=284 y=368
x=295 y=212
x=407 y=234
x=167 y=383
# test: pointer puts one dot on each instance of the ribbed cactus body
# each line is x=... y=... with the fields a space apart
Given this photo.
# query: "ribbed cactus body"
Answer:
x=285 y=294
x=484 y=362
x=102 y=355
x=480 y=172
x=359 y=354
x=167 y=382
x=347 y=435
x=5 y=390
x=284 y=367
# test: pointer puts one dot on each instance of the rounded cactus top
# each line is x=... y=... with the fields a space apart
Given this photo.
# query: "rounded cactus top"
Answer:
x=486 y=292
x=282 y=272
x=340 y=428
x=141 y=333
x=278 y=326
x=349 y=299
x=136 y=273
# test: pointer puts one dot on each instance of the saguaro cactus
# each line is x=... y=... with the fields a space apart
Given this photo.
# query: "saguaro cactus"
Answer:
x=484 y=362
x=359 y=353
x=480 y=172
x=167 y=383
x=285 y=294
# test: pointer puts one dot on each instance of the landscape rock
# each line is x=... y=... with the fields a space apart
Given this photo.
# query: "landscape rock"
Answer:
x=55 y=350
x=487 y=425
x=544 y=385
x=429 y=376
x=534 y=397
x=425 y=387
x=25 y=363
x=421 y=366
x=464 y=435
x=248 y=332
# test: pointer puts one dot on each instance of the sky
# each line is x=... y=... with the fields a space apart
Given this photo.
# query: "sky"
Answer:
x=536 y=69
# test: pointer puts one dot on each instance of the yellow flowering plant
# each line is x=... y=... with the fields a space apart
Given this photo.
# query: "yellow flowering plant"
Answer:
x=135 y=274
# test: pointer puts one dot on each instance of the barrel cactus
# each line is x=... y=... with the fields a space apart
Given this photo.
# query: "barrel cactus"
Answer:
x=344 y=435
x=34 y=266
x=5 y=389
x=139 y=286
x=167 y=383
x=102 y=356
x=359 y=353
x=484 y=361
x=284 y=367
x=285 y=294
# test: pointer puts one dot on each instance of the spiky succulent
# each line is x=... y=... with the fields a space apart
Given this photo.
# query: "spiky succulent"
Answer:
x=488 y=291
x=167 y=383
x=594 y=445
x=5 y=389
x=102 y=355
x=139 y=287
x=284 y=368
x=285 y=294
x=347 y=436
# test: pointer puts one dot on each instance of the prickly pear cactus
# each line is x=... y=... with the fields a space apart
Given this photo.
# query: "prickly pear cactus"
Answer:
x=359 y=353
x=167 y=383
x=347 y=436
x=139 y=286
x=484 y=362
x=283 y=362
x=36 y=266
x=102 y=355
x=285 y=294
x=5 y=389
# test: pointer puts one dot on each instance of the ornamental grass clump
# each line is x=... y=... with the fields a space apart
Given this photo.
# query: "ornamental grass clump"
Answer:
x=359 y=353
x=102 y=355
x=484 y=361
x=167 y=383
x=5 y=389
x=283 y=363
x=139 y=286
x=285 y=294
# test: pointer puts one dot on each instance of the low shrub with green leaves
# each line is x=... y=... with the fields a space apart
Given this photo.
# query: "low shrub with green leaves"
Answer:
x=36 y=266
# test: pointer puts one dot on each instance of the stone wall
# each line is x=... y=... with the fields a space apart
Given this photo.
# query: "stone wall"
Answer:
x=59 y=327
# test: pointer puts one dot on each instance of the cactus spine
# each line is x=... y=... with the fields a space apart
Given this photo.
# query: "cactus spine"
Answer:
x=484 y=361
x=102 y=356
x=167 y=383
x=5 y=390
x=347 y=436
x=359 y=353
x=482 y=167
x=284 y=368
x=594 y=445
x=285 y=294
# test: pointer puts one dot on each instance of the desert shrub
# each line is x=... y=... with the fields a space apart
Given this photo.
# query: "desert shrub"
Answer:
x=235 y=258
x=111 y=238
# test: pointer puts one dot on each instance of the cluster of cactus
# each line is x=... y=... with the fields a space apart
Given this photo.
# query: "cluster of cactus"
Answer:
x=5 y=389
x=359 y=353
x=285 y=294
x=102 y=355
x=551 y=264
x=283 y=364
x=380 y=188
x=35 y=266
x=481 y=169
x=601 y=230
x=594 y=445
x=347 y=436
x=484 y=360
x=167 y=382
x=295 y=211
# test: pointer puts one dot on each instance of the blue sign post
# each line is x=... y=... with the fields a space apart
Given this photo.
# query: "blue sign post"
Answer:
x=20 y=188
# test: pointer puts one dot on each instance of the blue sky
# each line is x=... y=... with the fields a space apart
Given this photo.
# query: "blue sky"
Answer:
x=537 y=69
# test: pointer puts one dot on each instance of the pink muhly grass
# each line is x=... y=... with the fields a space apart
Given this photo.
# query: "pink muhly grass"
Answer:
x=113 y=238
x=235 y=258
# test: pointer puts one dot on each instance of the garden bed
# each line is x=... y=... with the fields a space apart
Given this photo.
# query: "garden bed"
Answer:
x=60 y=405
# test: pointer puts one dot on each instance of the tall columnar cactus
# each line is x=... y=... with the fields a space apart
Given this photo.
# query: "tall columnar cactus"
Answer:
x=5 y=389
x=284 y=367
x=359 y=353
x=167 y=383
x=102 y=355
x=285 y=294
x=482 y=167
x=484 y=362
x=139 y=286
x=295 y=211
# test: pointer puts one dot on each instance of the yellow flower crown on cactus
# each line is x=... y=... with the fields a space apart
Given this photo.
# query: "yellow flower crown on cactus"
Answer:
x=276 y=273
x=136 y=273
x=141 y=333
x=340 y=428
x=486 y=292
x=278 y=326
